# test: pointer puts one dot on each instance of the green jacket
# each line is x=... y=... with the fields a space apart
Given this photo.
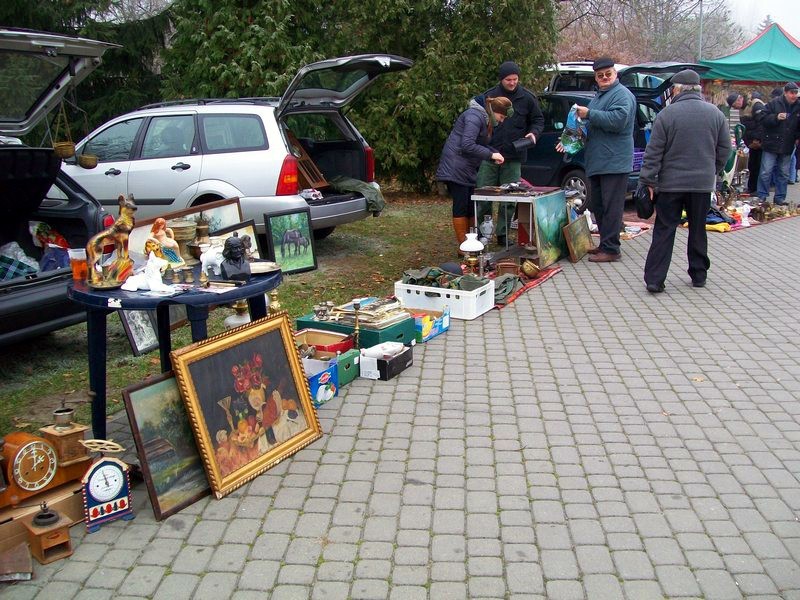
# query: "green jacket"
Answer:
x=609 y=144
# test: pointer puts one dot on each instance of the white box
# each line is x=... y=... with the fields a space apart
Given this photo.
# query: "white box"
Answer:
x=462 y=304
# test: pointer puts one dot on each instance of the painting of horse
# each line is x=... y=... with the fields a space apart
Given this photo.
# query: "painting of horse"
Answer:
x=291 y=232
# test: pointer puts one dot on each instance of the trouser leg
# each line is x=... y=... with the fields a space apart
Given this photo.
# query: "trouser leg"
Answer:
x=611 y=202
x=768 y=160
x=696 y=205
x=668 y=215
x=508 y=172
x=782 y=177
x=754 y=166
x=488 y=174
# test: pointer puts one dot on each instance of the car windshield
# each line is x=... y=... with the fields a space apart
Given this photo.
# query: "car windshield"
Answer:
x=29 y=76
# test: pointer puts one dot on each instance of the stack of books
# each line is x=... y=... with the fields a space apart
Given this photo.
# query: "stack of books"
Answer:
x=373 y=313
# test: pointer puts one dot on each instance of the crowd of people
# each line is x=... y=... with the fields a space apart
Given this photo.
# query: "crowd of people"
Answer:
x=689 y=145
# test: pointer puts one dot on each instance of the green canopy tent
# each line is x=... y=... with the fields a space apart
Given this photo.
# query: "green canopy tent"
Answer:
x=773 y=55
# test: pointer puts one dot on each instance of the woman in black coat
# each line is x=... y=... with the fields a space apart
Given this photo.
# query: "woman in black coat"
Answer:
x=466 y=147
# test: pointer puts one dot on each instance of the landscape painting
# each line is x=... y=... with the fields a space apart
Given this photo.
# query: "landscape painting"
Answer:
x=171 y=465
x=579 y=238
x=290 y=240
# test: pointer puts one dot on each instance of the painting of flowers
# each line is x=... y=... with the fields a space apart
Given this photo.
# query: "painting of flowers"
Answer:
x=248 y=400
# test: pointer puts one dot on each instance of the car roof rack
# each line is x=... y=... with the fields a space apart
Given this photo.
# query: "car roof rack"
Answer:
x=206 y=101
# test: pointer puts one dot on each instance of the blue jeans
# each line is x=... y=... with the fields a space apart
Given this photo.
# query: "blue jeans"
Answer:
x=793 y=167
x=769 y=161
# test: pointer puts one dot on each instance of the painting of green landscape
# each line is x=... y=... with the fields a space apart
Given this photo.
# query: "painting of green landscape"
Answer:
x=171 y=465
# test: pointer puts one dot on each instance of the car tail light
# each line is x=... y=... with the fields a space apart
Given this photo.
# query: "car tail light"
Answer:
x=369 y=155
x=287 y=180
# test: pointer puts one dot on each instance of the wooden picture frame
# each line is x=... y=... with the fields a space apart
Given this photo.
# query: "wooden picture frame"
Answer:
x=290 y=240
x=171 y=464
x=141 y=328
x=248 y=400
x=578 y=238
x=219 y=214
x=550 y=217
x=245 y=228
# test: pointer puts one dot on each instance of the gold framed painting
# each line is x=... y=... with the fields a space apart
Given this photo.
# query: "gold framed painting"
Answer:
x=248 y=400
x=578 y=237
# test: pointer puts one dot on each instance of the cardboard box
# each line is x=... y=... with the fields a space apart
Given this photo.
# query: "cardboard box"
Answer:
x=327 y=341
x=402 y=332
x=385 y=369
x=323 y=378
x=65 y=499
x=347 y=366
x=429 y=323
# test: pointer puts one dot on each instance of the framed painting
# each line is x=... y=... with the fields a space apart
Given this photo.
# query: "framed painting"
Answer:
x=578 y=238
x=219 y=214
x=290 y=240
x=246 y=231
x=550 y=217
x=171 y=465
x=141 y=328
x=248 y=400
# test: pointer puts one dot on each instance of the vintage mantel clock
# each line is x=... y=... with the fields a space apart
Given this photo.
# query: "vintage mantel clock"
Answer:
x=106 y=492
x=33 y=464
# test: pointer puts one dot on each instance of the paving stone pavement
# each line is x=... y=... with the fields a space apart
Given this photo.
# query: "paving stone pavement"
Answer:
x=589 y=441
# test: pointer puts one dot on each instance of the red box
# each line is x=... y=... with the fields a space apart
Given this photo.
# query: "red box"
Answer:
x=325 y=341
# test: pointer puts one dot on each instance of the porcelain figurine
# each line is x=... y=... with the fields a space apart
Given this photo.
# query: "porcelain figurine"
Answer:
x=112 y=274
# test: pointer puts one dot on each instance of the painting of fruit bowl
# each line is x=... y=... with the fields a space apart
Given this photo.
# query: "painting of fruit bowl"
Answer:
x=248 y=400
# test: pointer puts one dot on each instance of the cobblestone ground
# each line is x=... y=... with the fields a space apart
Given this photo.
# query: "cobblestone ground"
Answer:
x=589 y=441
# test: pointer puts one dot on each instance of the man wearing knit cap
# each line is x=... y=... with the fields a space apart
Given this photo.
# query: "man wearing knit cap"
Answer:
x=526 y=122
x=779 y=119
x=688 y=146
x=753 y=132
x=609 y=155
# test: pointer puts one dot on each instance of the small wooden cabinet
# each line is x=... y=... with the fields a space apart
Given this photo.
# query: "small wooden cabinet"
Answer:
x=49 y=543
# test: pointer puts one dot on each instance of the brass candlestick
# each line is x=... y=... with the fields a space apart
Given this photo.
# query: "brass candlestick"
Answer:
x=274 y=305
x=356 y=327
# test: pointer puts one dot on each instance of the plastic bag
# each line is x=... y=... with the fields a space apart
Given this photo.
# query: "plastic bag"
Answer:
x=573 y=138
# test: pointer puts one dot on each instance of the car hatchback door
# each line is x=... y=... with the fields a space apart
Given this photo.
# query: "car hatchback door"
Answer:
x=168 y=164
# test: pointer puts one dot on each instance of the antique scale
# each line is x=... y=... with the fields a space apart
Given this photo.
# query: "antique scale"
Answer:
x=106 y=487
x=33 y=464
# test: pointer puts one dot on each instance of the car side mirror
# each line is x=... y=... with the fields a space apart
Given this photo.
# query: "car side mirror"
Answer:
x=558 y=126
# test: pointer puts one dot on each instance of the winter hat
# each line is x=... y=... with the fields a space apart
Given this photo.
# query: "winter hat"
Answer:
x=791 y=86
x=775 y=93
x=689 y=77
x=508 y=68
x=756 y=95
x=604 y=62
x=732 y=97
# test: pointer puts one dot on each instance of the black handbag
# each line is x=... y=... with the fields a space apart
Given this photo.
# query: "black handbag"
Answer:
x=644 y=205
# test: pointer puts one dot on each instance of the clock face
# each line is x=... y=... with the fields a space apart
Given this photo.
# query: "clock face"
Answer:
x=34 y=466
x=106 y=482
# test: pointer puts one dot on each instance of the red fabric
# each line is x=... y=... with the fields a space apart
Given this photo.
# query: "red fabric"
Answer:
x=544 y=276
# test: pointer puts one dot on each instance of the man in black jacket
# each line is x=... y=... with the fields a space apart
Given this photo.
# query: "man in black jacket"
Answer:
x=753 y=132
x=780 y=121
x=526 y=121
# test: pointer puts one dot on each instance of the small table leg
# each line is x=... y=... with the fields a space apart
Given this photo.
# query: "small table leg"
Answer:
x=258 y=306
x=198 y=315
x=164 y=336
x=96 y=334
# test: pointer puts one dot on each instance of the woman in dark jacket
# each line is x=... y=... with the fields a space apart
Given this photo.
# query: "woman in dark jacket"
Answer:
x=466 y=147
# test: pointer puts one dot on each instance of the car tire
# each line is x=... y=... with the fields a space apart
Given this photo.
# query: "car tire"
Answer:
x=576 y=180
x=321 y=234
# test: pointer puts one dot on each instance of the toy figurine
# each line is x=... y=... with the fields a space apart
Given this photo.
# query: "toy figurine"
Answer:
x=113 y=274
x=235 y=265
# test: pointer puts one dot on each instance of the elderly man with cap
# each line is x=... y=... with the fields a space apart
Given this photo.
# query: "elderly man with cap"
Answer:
x=609 y=155
x=512 y=137
x=688 y=146
x=780 y=121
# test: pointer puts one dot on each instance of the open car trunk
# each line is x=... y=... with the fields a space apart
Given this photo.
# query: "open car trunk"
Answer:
x=36 y=198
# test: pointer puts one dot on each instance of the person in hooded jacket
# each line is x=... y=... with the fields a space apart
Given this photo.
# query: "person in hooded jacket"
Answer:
x=466 y=147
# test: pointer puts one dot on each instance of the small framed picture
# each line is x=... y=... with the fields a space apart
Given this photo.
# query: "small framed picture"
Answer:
x=246 y=231
x=141 y=328
x=248 y=400
x=290 y=240
x=171 y=465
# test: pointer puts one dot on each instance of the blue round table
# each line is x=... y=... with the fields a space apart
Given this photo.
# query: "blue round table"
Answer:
x=100 y=303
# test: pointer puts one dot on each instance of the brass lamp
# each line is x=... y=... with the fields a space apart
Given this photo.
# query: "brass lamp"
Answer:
x=472 y=248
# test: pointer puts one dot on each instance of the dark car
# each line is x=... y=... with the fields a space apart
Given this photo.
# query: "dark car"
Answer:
x=649 y=82
x=41 y=207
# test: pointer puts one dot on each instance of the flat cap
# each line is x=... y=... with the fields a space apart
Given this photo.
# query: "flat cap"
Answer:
x=604 y=62
x=689 y=77
x=790 y=86
x=732 y=98
x=508 y=68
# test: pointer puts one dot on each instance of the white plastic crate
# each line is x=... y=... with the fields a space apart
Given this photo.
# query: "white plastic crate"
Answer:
x=463 y=305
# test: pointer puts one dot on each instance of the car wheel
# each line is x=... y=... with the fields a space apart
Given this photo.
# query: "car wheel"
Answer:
x=321 y=234
x=576 y=180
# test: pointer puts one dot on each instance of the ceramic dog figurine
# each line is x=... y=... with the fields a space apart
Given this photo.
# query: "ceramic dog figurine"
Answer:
x=112 y=275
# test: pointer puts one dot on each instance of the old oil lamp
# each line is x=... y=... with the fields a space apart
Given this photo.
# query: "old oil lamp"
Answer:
x=471 y=248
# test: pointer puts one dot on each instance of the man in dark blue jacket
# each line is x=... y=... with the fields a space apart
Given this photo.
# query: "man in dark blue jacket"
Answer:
x=526 y=121
x=779 y=120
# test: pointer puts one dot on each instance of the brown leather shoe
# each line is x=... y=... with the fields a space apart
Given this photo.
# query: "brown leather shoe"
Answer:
x=604 y=257
x=594 y=250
